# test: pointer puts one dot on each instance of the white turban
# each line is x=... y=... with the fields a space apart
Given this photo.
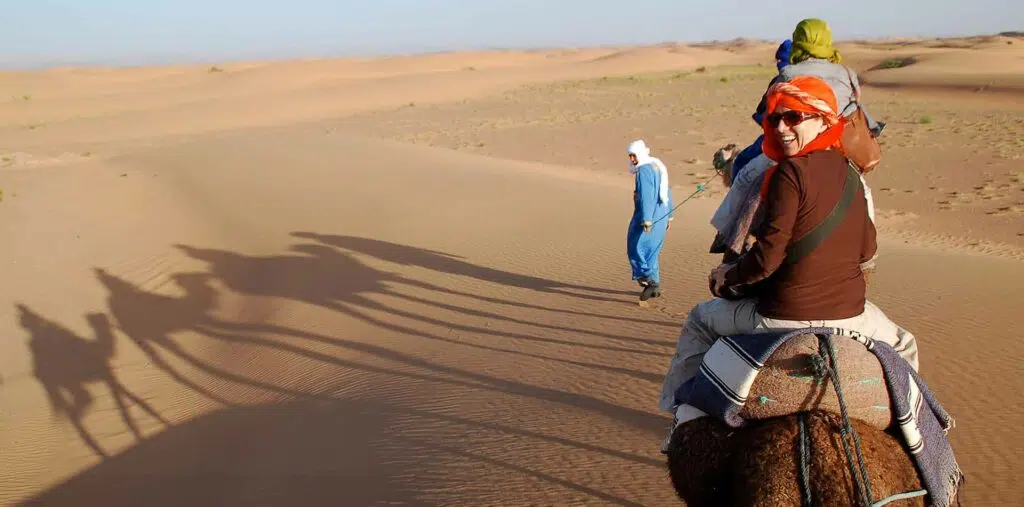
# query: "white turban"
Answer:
x=643 y=156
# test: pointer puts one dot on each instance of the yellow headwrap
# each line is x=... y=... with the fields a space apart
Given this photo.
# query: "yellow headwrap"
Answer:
x=813 y=38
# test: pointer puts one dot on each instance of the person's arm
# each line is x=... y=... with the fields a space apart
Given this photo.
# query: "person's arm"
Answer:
x=766 y=255
x=854 y=82
x=648 y=194
x=869 y=246
x=873 y=126
x=671 y=206
x=758 y=115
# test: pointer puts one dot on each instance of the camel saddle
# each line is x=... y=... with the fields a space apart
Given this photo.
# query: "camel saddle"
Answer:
x=771 y=374
x=789 y=382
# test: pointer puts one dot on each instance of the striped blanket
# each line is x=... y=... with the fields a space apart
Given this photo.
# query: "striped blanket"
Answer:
x=731 y=365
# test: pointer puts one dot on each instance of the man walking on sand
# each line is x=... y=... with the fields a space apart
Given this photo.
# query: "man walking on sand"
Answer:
x=652 y=214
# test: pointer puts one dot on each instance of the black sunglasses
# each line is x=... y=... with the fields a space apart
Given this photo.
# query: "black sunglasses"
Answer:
x=791 y=118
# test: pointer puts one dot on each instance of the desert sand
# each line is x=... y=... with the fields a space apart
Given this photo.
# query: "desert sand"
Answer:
x=402 y=281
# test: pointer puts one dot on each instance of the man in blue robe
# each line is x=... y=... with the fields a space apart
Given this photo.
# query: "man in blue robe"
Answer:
x=652 y=215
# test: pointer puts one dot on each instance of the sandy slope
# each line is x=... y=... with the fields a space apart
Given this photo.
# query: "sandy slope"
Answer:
x=206 y=313
x=985 y=64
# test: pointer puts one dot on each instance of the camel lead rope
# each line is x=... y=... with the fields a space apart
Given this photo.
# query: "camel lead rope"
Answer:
x=822 y=368
x=858 y=471
x=700 y=188
x=805 y=461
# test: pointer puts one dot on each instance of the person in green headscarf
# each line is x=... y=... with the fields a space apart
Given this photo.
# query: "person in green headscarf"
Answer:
x=812 y=38
x=812 y=54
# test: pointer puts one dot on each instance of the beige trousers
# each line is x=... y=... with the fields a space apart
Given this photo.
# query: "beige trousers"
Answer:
x=721 y=317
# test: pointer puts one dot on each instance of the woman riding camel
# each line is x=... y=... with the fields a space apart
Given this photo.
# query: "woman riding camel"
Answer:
x=812 y=54
x=808 y=53
x=784 y=291
x=742 y=183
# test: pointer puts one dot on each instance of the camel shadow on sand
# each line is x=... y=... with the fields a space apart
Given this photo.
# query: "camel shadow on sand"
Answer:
x=316 y=449
x=295 y=453
x=66 y=364
x=324 y=277
x=455 y=265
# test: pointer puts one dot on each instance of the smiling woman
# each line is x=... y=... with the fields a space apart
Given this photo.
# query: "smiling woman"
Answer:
x=796 y=128
x=802 y=119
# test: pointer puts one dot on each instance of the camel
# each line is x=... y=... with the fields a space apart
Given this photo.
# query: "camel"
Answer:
x=723 y=160
x=759 y=464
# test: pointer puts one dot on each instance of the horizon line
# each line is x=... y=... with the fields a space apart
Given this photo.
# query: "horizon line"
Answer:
x=170 y=60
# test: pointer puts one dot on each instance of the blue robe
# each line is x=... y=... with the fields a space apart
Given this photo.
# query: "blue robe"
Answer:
x=643 y=248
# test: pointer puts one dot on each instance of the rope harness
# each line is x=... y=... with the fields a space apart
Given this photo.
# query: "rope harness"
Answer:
x=826 y=367
x=700 y=188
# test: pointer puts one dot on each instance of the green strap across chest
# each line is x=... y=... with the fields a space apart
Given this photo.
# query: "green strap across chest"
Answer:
x=800 y=248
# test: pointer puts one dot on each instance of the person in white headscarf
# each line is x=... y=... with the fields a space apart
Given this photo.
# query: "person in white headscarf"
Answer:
x=652 y=214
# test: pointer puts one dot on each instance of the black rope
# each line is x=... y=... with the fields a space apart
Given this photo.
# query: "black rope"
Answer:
x=805 y=461
x=825 y=366
x=857 y=468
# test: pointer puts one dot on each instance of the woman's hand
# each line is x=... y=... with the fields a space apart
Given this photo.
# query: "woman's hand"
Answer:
x=716 y=280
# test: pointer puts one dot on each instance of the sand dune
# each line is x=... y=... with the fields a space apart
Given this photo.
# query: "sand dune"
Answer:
x=64 y=104
x=993 y=67
x=402 y=281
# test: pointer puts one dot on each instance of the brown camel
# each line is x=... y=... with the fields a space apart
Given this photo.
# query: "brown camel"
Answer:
x=711 y=464
x=722 y=160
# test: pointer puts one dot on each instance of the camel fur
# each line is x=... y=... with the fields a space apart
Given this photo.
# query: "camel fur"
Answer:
x=711 y=464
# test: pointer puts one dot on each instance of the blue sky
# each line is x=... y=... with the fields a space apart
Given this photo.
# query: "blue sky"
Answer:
x=133 y=32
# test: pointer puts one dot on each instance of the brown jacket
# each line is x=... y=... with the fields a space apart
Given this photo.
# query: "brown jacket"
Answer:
x=827 y=284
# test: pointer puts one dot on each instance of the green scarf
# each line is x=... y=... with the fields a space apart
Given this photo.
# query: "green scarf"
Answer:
x=812 y=38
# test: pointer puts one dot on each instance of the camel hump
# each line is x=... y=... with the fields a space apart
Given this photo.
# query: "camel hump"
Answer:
x=792 y=381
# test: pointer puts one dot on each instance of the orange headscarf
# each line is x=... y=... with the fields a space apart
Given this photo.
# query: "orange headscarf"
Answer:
x=806 y=94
